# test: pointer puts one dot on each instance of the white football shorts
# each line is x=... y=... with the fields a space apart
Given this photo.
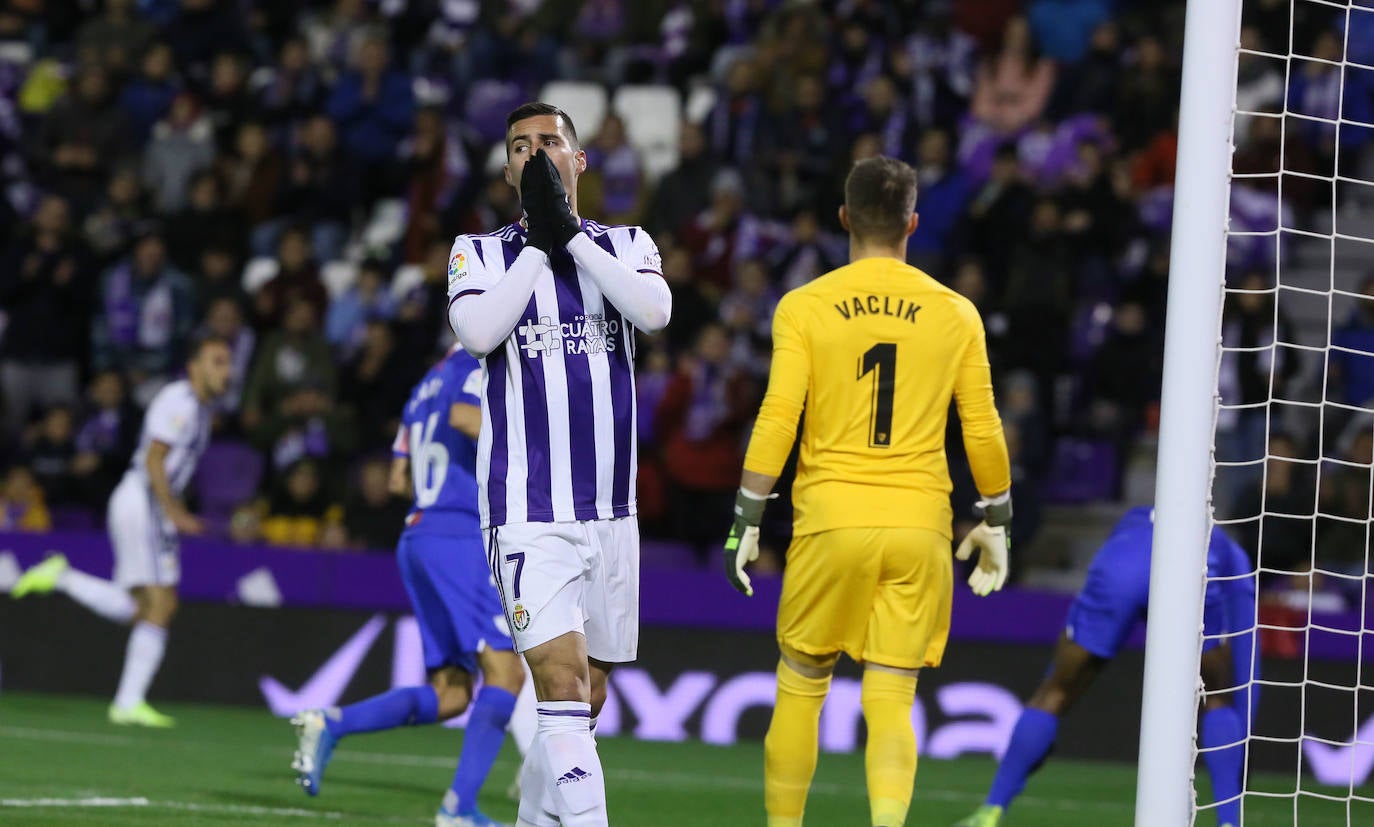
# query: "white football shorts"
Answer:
x=556 y=578
x=145 y=542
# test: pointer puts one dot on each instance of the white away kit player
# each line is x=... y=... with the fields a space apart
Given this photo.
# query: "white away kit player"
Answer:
x=144 y=518
x=550 y=305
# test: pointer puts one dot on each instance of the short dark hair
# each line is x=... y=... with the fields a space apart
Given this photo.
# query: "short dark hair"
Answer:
x=534 y=109
x=880 y=196
x=201 y=342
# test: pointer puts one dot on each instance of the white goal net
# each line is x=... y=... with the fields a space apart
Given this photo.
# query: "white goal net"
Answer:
x=1294 y=433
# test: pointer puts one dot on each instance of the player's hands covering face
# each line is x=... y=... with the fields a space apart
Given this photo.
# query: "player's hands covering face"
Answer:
x=548 y=212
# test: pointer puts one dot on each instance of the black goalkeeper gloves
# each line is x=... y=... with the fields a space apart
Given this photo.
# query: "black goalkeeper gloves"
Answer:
x=742 y=545
x=548 y=214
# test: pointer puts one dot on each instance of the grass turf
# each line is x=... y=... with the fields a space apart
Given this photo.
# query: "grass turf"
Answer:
x=61 y=764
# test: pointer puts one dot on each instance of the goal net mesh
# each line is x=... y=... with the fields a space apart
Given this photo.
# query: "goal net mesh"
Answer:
x=1294 y=432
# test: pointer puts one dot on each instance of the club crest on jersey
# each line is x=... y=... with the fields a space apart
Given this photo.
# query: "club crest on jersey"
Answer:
x=520 y=617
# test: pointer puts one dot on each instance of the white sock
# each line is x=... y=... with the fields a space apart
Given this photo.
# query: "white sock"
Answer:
x=524 y=721
x=536 y=808
x=107 y=599
x=141 y=661
x=573 y=769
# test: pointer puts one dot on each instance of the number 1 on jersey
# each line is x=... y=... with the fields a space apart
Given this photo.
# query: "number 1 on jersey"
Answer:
x=881 y=361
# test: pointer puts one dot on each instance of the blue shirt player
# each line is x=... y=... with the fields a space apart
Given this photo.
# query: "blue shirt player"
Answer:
x=457 y=608
x=1106 y=610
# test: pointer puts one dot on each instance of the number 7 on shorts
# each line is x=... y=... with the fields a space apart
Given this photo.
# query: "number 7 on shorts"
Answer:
x=518 y=558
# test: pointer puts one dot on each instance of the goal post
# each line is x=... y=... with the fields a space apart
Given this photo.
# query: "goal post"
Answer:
x=1192 y=349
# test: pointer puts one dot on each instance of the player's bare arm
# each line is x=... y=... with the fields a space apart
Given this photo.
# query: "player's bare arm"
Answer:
x=466 y=418
x=398 y=482
x=156 y=464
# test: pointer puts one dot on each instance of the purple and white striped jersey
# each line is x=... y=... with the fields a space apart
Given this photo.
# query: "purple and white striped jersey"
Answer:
x=558 y=398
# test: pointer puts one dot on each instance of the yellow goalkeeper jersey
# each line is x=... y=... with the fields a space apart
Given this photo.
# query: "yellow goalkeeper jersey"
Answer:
x=874 y=351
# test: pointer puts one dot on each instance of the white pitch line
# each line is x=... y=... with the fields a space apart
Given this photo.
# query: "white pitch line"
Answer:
x=93 y=801
x=37 y=734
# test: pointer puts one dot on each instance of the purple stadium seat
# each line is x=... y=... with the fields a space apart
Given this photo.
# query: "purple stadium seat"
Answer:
x=489 y=101
x=227 y=478
x=1082 y=470
x=667 y=555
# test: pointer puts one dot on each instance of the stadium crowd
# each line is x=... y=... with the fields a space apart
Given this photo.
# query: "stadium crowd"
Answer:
x=290 y=176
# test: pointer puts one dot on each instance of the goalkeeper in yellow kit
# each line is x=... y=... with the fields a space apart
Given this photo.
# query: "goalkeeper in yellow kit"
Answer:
x=873 y=352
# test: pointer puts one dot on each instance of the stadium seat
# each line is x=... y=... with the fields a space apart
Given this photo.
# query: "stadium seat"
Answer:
x=407 y=278
x=338 y=276
x=489 y=101
x=226 y=478
x=386 y=225
x=585 y=103
x=258 y=272
x=700 y=101
x=1082 y=471
x=653 y=117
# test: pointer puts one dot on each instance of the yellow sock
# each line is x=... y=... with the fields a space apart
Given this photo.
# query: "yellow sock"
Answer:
x=890 y=758
x=789 y=751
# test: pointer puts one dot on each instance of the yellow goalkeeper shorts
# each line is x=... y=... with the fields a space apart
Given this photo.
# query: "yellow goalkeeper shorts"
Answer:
x=879 y=595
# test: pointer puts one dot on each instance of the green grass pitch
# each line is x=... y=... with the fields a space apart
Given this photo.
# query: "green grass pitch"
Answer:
x=61 y=764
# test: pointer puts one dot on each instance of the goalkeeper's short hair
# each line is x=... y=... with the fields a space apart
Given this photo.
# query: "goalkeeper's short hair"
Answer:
x=880 y=196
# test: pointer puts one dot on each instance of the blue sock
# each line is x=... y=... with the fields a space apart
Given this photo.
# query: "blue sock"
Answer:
x=407 y=706
x=1226 y=766
x=482 y=740
x=1031 y=742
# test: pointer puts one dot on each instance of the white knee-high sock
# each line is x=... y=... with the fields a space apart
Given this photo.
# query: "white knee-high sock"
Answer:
x=524 y=722
x=573 y=769
x=109 y=600
x=141 y=661
x=536 y=806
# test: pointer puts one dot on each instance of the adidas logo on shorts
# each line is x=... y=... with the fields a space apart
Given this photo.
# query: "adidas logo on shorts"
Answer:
x=572 y=776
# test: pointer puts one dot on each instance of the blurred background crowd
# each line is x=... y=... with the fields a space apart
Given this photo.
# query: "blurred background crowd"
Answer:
x=290 y=176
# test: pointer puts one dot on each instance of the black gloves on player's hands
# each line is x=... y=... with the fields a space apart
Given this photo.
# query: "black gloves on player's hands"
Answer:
x=548 y=215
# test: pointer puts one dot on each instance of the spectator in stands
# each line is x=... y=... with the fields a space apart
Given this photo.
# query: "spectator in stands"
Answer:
x=1254 y=369
x=856 y=58
x=115 y=40
x=105 y=439
x=805 y=138
x=723 y=233
x=322 y=189
x=82 y=136
x=1091 y=86
x=368 y=300
x=219 y=277
x=695 y=304
x=421 y=313
x=205 y=222
x=1343 y=507
x=997 y=214
x=50 y=453
x=110 y=229
x=437 y=166
x=1013 y=86
x=614 y=182
x=1351 y=362
x=373 y=518
x=145 y=315
x=805 y=252
x=1124 y=375
x=148 y=96
x=1039 y=293
x=45 y=290
x=182 y=145
x=747 y=312
x=228 y=103
x=686 y=190
x=288 y=403
x=289 y=91
x=943 y=193
x=701 y=422
x=735 y=122
x=377 y=382
x=224 y=319
x=1286 y=497
x=297 y=278
x=373 y=107
x=198 y=29
x=1147 y=96
x=1065 y=28
x=882 y=113
x=298 y=509
x=22 y=507
x=252 y=174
